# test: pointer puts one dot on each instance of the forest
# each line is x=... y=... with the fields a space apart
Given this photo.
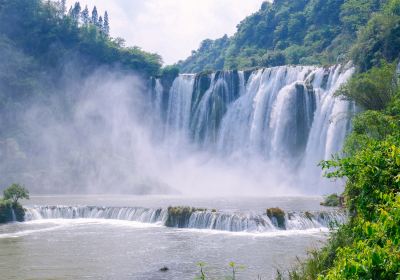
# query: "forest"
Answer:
x=307 y=32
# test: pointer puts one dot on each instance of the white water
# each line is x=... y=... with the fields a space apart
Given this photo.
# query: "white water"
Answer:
x=14 y=218
x=282 y=120
x=121 y=241
x=212 y=220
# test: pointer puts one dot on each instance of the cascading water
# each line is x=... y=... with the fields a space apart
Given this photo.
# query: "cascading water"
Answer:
x=285 y=116
x=13 y=216
x=193 y=218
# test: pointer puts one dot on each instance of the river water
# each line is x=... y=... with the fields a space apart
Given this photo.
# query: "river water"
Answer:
x=100 y=248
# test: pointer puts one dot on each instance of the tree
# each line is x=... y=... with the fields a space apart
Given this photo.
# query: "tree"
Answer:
x=100 y=24
x=63 y=7
x=16 y=192
x=85 y=16
x=75 y=11
x=106 y=24
x=95 y=16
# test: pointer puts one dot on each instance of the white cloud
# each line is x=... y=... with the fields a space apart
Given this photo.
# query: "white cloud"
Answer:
x=172 y=28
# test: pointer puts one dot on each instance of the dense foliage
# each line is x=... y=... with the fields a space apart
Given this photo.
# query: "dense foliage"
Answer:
x=292 y=32
x=372 y=90
x=379 y=39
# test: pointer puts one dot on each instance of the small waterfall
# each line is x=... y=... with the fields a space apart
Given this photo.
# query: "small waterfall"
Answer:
x=191 y=218
x=13 y=216
x=90 y=212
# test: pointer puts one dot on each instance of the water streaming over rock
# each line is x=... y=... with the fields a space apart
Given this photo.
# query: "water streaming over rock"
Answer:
x=13 y=216
x=287 y=116
x=193 y=219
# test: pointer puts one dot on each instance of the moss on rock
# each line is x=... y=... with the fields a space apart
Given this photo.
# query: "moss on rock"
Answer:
x=179 y=216
x=277 y=216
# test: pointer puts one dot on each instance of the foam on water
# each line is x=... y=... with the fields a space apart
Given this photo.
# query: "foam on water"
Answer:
x=191 y=219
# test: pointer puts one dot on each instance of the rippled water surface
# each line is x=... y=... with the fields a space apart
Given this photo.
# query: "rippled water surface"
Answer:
x=115 y=249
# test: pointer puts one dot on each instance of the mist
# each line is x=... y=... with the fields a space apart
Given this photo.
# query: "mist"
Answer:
x=100 y=134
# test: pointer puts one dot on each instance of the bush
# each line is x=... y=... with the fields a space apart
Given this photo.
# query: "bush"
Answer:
x=332 y=200
x=321 y=260
x=375 y=253
x=371 y=173
x=374 y=89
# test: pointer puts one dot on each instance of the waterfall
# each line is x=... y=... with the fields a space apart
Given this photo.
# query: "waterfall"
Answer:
x=287 y=116
x=13 y=216
x=193 y=218
x=91 y=212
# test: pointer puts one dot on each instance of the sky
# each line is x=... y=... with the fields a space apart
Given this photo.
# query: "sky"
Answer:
x=172 y=28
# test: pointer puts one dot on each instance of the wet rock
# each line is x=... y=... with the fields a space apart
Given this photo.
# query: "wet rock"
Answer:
x=277 y=216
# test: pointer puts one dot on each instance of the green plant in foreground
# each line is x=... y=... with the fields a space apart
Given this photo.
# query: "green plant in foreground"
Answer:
x=375 y=252
x=202 y=275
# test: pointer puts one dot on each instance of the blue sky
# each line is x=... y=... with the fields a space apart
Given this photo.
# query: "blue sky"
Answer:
x=172 y=28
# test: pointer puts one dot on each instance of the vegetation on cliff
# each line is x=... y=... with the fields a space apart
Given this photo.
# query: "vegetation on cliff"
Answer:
x=303 y=32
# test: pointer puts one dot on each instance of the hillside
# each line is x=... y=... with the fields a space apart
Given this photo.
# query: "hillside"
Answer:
x=38 y=39
x=287 y=32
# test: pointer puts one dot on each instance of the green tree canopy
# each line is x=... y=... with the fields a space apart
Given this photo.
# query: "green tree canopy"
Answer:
x=16 y=192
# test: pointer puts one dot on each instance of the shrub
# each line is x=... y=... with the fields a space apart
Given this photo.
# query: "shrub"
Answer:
x=372 y=90
x=321 y=260
x=371 y=173
x=332 y=200
x=375 y=253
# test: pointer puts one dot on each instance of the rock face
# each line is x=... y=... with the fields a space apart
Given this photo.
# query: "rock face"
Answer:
x=11 y=213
